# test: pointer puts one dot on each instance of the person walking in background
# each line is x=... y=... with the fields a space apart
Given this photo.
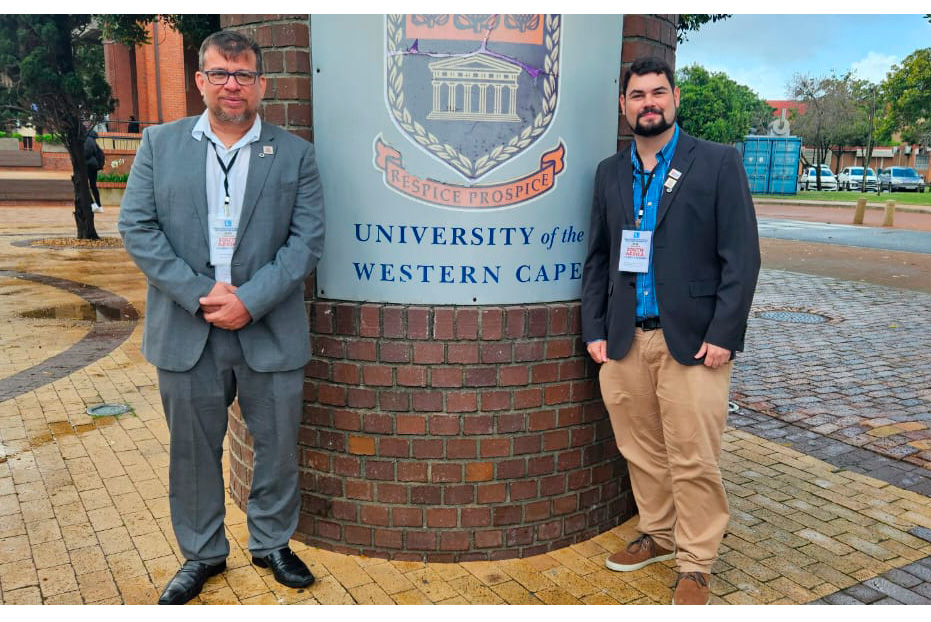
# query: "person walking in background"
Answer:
x=223 y=213
x=667 y=285
x=94 y=157
x=28 y=134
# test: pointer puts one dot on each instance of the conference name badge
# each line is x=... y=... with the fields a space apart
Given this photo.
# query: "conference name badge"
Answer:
x=225 y=234
x=636 y=247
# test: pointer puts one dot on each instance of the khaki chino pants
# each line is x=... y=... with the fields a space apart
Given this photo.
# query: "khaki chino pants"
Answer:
x=668 y=420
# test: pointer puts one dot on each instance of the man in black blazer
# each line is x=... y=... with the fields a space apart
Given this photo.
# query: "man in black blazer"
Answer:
x=667 y=286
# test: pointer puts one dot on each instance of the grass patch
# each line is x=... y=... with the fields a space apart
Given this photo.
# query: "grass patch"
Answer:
x=901 y=198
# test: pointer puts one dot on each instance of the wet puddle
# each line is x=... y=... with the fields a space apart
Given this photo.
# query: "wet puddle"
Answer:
x=56 y=431
x=79 y=311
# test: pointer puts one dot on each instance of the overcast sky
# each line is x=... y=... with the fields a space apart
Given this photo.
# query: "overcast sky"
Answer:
x=764 y=51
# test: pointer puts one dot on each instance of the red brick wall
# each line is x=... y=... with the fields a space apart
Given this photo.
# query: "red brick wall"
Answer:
x=451 y=433
x=119 y=76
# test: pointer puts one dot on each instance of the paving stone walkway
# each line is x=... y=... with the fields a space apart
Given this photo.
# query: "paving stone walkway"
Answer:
x=861 y=378
x=820 y=515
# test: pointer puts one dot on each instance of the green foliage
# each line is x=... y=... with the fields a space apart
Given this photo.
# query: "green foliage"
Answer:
x=691 y=22
x=113 y=177
x=56 y=79
x=131 y=29
x=906 y=96
x=836 y=115
x=714 y=107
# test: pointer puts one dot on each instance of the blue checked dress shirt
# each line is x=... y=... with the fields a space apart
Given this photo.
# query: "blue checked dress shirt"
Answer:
x=647 y=304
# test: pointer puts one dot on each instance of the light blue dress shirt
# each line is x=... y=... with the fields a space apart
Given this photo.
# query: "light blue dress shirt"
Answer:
x=647 y=303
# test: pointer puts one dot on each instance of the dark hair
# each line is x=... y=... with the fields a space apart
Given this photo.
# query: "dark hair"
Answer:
x=231 y=45
x=649 y=64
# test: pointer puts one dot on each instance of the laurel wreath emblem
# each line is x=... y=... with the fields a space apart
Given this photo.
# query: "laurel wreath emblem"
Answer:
x=447 y=152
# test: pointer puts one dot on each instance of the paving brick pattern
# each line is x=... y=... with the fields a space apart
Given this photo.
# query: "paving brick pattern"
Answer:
x=861 y=379
x=84 y=502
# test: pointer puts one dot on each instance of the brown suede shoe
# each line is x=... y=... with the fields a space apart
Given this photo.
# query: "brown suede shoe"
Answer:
x=641 y=552
x=692 y=589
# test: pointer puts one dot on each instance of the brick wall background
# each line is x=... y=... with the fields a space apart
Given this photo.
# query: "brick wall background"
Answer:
x=285 y=42
x=645 y=35
x=444 y=433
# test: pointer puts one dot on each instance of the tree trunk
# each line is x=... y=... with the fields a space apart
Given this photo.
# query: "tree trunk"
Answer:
x=83 y=216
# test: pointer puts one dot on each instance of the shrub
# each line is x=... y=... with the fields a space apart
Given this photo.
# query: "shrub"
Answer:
x=115 y=177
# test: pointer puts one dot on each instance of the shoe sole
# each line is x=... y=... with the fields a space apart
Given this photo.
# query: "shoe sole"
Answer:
x=261 y=564
x=707 y=602
x=631 y=567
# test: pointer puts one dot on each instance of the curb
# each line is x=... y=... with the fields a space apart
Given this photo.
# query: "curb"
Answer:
x=919 y=209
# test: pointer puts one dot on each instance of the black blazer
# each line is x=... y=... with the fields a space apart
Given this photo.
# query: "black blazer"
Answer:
x=706 y=253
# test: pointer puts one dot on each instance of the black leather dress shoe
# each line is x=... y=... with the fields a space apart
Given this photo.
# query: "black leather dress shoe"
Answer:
x=287 y=567
x=189 y=581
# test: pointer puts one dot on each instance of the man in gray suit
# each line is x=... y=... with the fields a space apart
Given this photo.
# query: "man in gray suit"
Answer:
x=224 y=215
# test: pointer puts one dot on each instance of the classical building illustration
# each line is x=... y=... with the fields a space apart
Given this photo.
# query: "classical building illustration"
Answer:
x=474 y=88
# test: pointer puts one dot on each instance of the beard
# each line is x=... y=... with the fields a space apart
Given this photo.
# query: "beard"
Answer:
x=247 y=114
x=657 y=128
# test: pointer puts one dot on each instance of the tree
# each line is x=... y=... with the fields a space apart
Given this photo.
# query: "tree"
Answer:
x=836 y=114
x=41 y=55
x=131 y=29
x=714 y=107
x=55 y=77
x=691 y=22
x=906 y=98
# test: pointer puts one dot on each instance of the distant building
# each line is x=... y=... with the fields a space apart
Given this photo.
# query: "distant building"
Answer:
x=153 y=82
x=914 y=156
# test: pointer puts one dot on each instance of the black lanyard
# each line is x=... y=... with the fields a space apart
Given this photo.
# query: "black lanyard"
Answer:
x=644 y=187
x=226 y=174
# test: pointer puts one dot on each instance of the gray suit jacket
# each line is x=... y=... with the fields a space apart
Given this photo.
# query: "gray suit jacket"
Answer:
x=163 y=221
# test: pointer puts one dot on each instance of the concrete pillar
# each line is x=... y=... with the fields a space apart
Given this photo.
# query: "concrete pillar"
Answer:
x=858 y=214
x=889 y=216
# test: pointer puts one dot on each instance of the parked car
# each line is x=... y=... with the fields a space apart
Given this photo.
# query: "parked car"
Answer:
x=852 y=177
x=900 y=178
x=809 y=181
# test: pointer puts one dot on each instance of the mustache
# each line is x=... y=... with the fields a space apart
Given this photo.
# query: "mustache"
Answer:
x=650 y=110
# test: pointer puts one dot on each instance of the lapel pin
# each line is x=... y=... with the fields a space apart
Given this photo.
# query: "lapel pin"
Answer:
x=675 y=174
x=268 y=149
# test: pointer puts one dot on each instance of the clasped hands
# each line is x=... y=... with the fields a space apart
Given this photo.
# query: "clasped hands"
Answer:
x=715 y=356
x=223 y=308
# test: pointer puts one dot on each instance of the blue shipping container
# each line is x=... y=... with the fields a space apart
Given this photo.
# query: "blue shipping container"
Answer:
x=771 y=163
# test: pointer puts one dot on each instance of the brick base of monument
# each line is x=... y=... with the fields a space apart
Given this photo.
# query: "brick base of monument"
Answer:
x=450 y=434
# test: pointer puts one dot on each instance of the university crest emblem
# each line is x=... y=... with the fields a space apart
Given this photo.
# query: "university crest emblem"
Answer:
x=475 y=92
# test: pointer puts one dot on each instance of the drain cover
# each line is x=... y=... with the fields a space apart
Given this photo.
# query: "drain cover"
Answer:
x=108 y=410
x=797 y=317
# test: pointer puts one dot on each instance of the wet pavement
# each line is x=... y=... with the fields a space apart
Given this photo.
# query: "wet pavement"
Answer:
x=847 y=235
x=827 y=462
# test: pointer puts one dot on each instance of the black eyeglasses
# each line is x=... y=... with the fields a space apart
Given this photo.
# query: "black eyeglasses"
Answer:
x=220 y=76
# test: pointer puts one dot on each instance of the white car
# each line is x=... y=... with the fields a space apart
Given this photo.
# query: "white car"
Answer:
x=852 y=177
x=809 y=181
